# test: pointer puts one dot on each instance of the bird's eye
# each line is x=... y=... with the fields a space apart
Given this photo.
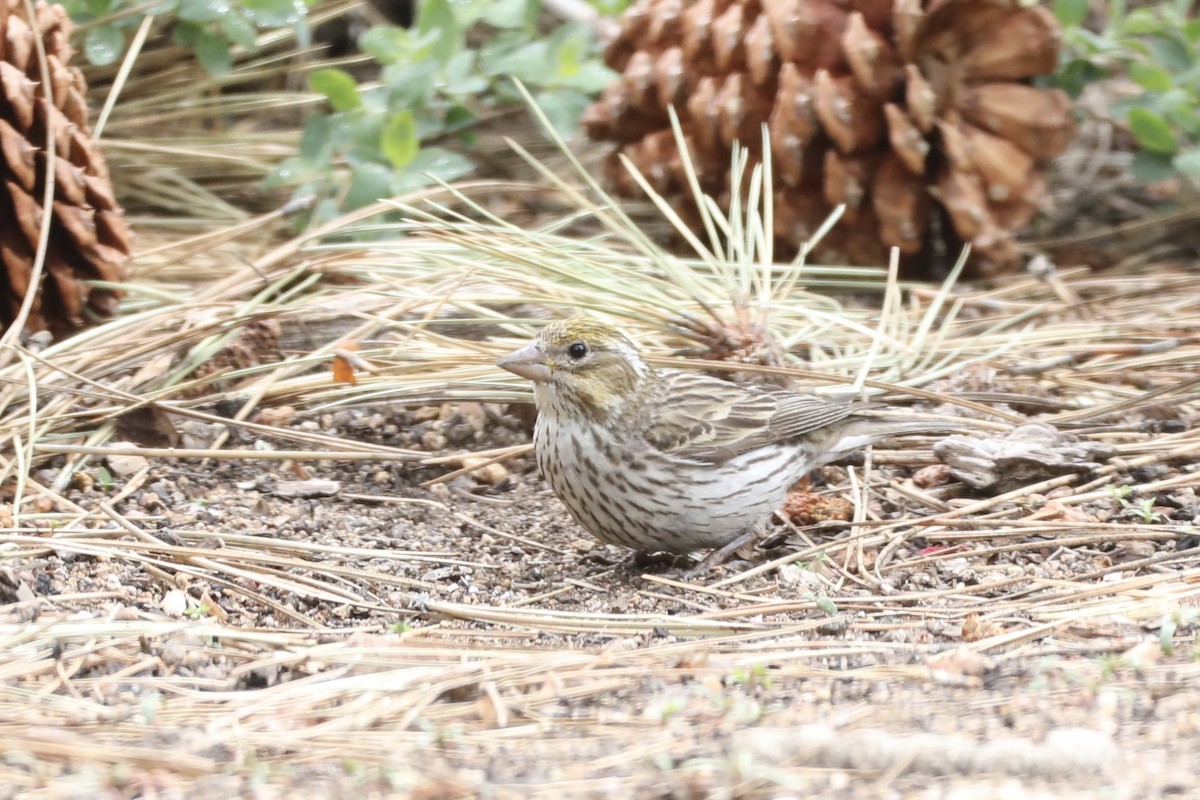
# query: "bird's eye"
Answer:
x=577 y=350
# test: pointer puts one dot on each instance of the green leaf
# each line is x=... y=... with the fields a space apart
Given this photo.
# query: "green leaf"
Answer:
x=1192 y=31
x=591 y=77
x=1150 y=77
x=316 y=144
x=431 y=163
x=239 y=30
x=1152 y=167
x=609 y=8
x=1152 y=131
x=529 y=63
x=399 y=141
x=1071 y=13
x=326 y=210
x=1077 y=74
x=563 y=109
x=437 y=17
x=1170 y=53
x=458 y=118
x=506 y=13
x=458 y=68
x=104 y=44
x=1188 y=162
x=212 y=50
x=368 y=183
x=186 y=34
x=569 y=54
x=338 y=86
x=290 y=172
x=1141 y=22
x=387 y=44
x=272 y=13
x=1187 y=117
x=200 y=10
x=409 y=85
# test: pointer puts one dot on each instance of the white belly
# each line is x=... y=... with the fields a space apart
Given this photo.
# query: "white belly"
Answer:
x=651 y=501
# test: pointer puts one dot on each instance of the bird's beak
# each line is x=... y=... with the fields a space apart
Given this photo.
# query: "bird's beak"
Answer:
x=528 y=362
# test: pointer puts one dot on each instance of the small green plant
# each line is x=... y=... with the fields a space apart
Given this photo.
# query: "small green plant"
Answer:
x=196 y=612
x=1110 y=663
x=1145 y=507
x=827 y=606
x=1120 y=494
x=433 y=87
x=751 y=677
x=1158 y=48
x=104 y=479
x=210 y=29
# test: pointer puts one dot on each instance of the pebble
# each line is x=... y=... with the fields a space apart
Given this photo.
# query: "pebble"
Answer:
x=174 y=603
x=433 y=441
x=492 y=473
x=123 y=466
x=309 y=488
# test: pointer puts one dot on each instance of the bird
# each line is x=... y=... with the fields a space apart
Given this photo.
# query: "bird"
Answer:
x=668 y=460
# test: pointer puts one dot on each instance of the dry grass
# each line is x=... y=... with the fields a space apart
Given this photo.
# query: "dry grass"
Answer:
x=93 y=694
x=212 y=661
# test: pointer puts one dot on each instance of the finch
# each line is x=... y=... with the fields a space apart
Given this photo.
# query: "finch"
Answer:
x=671 y=460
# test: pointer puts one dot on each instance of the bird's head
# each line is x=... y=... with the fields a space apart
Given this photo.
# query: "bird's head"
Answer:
x=580 y=365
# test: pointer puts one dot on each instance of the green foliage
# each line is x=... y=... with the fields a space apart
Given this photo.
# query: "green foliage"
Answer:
x=1158 y=48
x=433 y=86
x=1144 y=508
x=210 y=29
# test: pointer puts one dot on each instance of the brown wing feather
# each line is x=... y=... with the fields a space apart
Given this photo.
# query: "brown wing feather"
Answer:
x=707 y=419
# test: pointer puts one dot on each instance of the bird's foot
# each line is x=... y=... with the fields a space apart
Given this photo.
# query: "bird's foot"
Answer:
x=656 y=561
x=719 y=557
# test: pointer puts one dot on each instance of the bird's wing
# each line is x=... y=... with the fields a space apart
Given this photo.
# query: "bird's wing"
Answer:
x=706 y=419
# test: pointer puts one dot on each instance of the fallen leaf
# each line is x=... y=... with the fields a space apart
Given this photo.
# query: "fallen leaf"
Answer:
x=344 y=362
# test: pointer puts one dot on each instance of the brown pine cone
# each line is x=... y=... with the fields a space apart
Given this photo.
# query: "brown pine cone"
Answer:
x=918 y=115
x=88 y=236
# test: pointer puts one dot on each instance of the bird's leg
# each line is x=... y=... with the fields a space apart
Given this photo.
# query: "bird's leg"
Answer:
x=718 y=557
x=655 y=560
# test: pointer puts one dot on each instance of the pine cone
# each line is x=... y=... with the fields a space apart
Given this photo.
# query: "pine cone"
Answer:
x=917 y=114
x=256 y=342
x=88 y=236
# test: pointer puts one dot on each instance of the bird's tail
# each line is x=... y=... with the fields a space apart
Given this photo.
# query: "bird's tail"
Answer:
x=870 y=428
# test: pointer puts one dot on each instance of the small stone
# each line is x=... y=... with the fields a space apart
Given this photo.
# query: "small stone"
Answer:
x=173 y=654
x=310 y=488
x=491 y=474
x=174 y=603
x=277 y=417
x=433 y=441
x=426 y=414
x=932 y=476
x=125 y=464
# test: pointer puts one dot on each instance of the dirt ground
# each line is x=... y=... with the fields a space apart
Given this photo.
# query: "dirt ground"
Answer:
x=385 y=639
